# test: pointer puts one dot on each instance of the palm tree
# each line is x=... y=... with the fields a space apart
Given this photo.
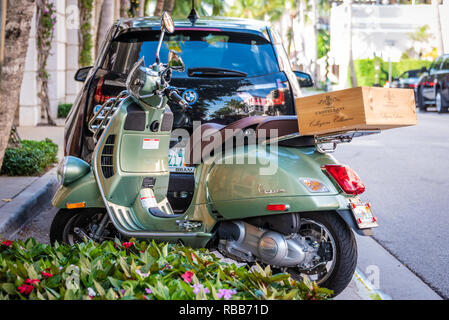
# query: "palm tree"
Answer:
x=159 y=7
x=105 y=21
x=351 y=59
x=436 y=4
x=19 y=15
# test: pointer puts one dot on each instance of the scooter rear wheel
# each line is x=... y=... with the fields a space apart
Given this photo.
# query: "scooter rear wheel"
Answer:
x=64 y=223
x=343 y=246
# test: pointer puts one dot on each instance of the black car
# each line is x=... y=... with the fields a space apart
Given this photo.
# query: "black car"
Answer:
x=408 y=80
x=234 y=68
x=433 y=85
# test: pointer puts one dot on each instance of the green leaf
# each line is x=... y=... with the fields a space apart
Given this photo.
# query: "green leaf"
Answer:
x=10 y=288
x=99 y=288
x=124 y=266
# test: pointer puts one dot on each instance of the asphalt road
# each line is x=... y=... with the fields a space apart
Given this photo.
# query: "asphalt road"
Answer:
x=406 y=173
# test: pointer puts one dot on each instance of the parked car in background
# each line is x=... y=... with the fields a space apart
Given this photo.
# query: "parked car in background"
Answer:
x=433 y=85
x=235 y=68
x=408 y=80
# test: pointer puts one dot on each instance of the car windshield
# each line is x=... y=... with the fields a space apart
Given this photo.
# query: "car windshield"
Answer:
x=244 y=52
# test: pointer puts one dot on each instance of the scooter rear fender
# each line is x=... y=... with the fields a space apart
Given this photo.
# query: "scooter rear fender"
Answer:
x=238 y=191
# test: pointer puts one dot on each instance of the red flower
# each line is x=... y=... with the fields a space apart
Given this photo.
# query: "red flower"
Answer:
x=47 y=274
x=187 y=276
x=142 y=251
x=25 y=288
x=32 y=281
x=127 y=244
x=7 y=243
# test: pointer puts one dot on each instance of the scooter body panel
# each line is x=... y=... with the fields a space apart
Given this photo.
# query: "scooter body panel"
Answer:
x=84 y=190
x=240 y=190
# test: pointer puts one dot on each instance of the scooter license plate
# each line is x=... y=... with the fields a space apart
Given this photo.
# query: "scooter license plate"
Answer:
x=176 y=161
x=363 y=215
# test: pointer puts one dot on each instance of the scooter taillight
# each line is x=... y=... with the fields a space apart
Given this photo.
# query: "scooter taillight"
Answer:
x=346 y=178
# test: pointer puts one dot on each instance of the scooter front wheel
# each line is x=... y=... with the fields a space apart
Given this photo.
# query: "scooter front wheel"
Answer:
x=339 y=247
x=73 y=226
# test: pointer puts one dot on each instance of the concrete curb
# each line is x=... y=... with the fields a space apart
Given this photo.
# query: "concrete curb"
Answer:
x=28 y=203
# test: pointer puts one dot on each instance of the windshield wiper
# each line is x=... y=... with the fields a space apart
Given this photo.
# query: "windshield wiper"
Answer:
x=214 y=72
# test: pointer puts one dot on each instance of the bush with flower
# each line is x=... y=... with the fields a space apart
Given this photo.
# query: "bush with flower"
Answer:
x=114 y=270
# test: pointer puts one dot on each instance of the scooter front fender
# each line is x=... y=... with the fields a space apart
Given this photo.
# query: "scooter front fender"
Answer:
x=84 y=190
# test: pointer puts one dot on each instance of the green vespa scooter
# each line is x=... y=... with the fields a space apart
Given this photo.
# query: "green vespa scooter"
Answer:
x=263 y=193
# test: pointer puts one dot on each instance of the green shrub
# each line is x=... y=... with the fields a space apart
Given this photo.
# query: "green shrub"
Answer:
x=366 y=73
x=136 y=270
x=31 y=159
x=64 y=109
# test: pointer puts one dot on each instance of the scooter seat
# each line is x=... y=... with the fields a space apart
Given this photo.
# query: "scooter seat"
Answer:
x=263 y=126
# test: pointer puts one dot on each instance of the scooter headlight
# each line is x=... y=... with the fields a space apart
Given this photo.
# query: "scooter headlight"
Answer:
x=61 y=170
x=71 y=169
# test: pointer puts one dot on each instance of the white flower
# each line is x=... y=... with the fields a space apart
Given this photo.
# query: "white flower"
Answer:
x=140 y=273
x=91 y=292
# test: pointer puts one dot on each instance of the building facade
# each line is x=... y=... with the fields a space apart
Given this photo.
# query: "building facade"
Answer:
x=62 y=63
x=384 y=30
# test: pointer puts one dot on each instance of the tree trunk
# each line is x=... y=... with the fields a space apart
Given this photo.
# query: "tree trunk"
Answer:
x=439 y=35
x=314 y=41
x=351 y=59
x=98 y=11
x=141 y=10
x=17 y=31
x=159 y=7
x=349 y=63
x=106 y=21
x=42 y=56
x=169 y=5
x=302 y=23
x=124 y=8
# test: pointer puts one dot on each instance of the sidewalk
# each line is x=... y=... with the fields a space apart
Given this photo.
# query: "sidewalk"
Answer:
x=21 y=198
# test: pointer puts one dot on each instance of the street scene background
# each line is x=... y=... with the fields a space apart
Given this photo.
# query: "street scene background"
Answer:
x=405 y=170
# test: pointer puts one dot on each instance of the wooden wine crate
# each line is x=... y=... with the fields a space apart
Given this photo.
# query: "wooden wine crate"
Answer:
x=361 y=108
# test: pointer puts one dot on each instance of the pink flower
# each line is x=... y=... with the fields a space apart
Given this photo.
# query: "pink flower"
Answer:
x=47 y=274
x=197 y=288
x=148 y=290
x=32 y=281
x=187 y=276
x=226 y=293
x=25 y=288
x=127 y=244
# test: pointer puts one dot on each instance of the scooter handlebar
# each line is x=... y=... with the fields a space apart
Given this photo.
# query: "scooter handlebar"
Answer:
x=173 y=96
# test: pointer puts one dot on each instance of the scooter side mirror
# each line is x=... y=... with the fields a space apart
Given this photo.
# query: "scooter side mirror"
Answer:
x=167 y=24
x=175 y=62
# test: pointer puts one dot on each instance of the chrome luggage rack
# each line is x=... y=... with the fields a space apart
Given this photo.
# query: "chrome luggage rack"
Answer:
x=334 y=138
x=339 y=137
x=101 y=118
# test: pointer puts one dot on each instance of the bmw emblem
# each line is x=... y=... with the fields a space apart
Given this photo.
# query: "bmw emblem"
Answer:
x=190 y=96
